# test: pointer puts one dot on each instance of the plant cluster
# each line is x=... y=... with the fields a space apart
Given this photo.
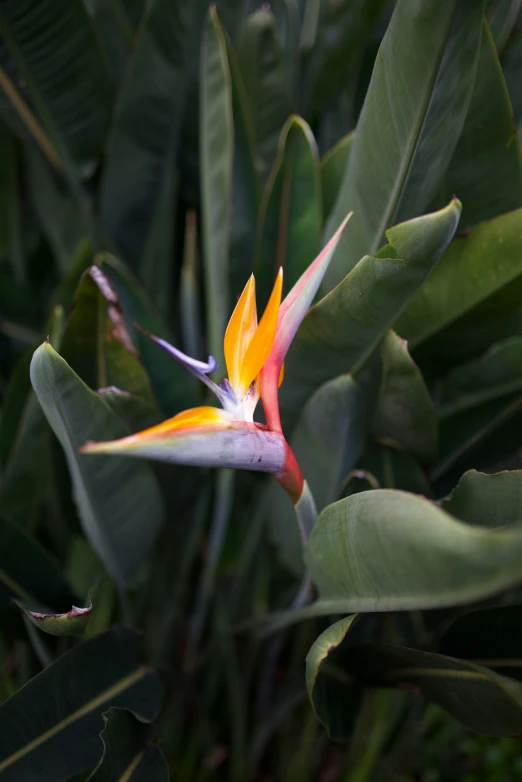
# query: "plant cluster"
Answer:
x=320 y=578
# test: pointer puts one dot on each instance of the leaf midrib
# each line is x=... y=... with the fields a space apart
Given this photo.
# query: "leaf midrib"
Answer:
x=412 y=144
x=123 y=684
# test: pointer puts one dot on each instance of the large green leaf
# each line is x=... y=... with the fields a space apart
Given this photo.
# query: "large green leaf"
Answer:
x=119 y=501
x=46 y=737
x=410 y=122
x=337 y=669
x=266 y=83
x=139 y=175
x=57 y=213
x=96 y=344
x=486 y=169
x=126 y=756
x=484 y=262
x=291 y=217
x=489 y=500
x=174 y=387
x=405 y=412
x=327 y=442
x=497 y=373
x=387 y=550
x=216 y=158
x=482 y=436
x=332 y=168
x=340 y=333
x=28 y=572
x=342 y=33
x=58 y=54
x=489 y=636
x=245 y=183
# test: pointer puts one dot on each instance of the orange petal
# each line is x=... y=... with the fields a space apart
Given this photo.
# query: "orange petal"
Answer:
x=188 y=419
x=262 y=341
x=240 y=330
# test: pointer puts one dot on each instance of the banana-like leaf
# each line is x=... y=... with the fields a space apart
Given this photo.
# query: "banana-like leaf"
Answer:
x=410 y=123
x=340 y=333
x=216 y=159
x=51 y=726
x=58 y=54
x=342 y=32
x=497 y=373
x=337 y=669
x=119 y=501
x=291 y=217
x=261 y=63
x=139 y=175
x=485 y=263
x=489 y=500
x=126 y=756
x=333 y=165
x=405 y=412
x=28 y=572
x=486 y=168
x=388 y=550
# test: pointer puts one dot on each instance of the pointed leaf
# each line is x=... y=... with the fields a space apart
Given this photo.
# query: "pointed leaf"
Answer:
x=72 y=622
x=261 y=64
x=405 y=412
x=343 y=329
x=485 y=263
x=46 y=737
x=141 y=157
x=28 y=572
x=477 y=697
x=332 y=167
x=216 y=158
x=413 y=115
x=121 y=524
x=59 y=56
x=291 y=217
x=486 y=168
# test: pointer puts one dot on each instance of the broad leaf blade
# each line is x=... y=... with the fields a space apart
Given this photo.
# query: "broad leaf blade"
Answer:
x=489 y=500
x=216 y=158
x=261 y=64
x=405 y=412
x=475 y=267
x=291 y=216
x=119 y=501
x=56 y=49
x=410 y=122
x=387 y=550
x=486 y=168
x=332 y=168
x=337 y=668
x=46 y=737
x=340 y=333
x=28 y=572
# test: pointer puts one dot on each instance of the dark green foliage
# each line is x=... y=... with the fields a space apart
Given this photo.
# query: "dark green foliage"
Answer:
x=156 y=618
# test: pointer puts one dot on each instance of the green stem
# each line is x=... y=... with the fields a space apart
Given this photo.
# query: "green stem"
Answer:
x=220 y=519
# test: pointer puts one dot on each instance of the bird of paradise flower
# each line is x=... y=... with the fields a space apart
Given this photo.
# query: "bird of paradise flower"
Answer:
x=254 y=355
